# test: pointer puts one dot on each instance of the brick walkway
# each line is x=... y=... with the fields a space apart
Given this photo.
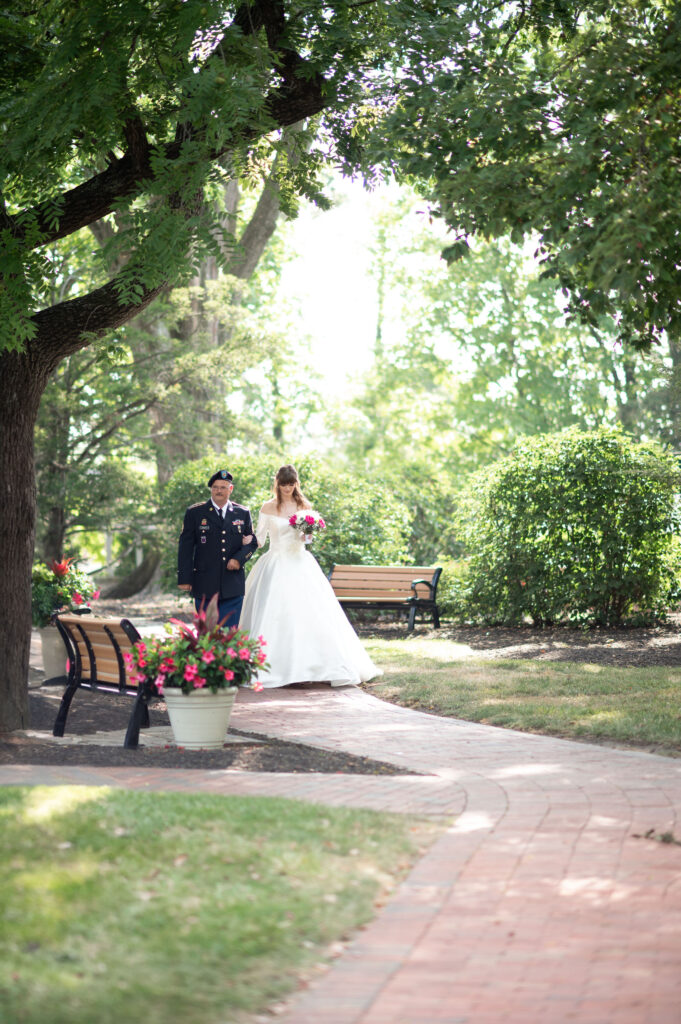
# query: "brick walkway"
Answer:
x=539 y=904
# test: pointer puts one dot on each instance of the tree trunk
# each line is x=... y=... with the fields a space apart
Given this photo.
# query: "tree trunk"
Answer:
x=135 y=581
x=22 y=385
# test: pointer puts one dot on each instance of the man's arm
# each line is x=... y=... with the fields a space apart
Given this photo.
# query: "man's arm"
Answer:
x=185 y=554
x=247 y=548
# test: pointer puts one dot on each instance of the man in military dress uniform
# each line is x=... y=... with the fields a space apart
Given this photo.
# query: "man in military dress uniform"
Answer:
x=215 y=543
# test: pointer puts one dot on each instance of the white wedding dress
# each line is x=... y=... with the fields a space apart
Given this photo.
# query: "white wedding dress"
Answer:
x=290 y=603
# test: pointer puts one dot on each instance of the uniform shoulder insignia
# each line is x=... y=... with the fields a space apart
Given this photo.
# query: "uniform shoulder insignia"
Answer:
x=197 y=504
x=243 y=507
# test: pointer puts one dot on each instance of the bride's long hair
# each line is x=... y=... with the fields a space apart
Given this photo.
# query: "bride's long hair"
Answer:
x=285 y=476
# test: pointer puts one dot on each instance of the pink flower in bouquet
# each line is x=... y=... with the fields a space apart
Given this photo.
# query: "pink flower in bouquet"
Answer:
x=78 y=598
x=293 y=520
x=309 y=519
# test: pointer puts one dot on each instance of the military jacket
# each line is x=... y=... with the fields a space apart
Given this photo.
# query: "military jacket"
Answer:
x=207 y=544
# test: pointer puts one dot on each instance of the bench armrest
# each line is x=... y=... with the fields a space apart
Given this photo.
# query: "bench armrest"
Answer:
x=427 y=583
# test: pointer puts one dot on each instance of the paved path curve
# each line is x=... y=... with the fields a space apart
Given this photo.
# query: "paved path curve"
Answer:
x=542 y=904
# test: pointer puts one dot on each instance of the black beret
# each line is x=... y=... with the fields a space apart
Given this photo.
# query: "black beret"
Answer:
x=221 y=474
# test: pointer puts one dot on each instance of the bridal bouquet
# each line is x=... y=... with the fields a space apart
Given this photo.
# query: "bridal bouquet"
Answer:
x=307 y=523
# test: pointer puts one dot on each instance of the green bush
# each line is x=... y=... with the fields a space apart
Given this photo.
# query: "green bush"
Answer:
x=366 y=524
x=577 y=527
x=56 y=587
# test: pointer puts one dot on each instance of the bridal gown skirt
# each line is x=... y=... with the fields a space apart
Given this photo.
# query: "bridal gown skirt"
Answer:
x=290 y=602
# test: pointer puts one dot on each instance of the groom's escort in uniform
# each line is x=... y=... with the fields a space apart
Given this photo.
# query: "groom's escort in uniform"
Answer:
x=211 y=553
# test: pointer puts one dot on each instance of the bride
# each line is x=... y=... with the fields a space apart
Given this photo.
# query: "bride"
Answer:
x=291 y=603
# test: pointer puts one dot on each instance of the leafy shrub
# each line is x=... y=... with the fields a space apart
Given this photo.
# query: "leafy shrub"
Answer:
x=365 y=524
x=56 y=587
x=578 y=527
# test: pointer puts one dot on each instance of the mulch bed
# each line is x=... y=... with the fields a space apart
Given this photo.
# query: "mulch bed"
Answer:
x=658 y=645
x=91 y=712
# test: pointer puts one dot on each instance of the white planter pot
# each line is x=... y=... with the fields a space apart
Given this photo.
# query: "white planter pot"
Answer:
x=54 y=655
x=200 y=719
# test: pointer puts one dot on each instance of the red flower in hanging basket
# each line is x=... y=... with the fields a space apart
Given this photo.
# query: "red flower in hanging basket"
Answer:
x=61 y=568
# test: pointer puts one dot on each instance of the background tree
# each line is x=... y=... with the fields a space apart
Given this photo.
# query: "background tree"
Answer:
x=565 y=126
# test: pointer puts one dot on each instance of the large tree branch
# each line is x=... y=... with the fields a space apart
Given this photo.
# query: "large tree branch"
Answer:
x=67 y=327
x=262 y=223
x=299 y=97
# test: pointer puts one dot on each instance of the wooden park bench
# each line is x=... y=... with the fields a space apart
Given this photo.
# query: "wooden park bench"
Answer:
x=95 y=651
x=411 y=588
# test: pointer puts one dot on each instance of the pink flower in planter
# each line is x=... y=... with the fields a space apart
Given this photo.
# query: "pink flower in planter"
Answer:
x=262 y=658
x=229 y=675
x=244 y=654
x=199 y=683
x=78 y=598
x=190 y=673
x=231 y=652
x=96 y=595
x=207 y=657
x=158 y=682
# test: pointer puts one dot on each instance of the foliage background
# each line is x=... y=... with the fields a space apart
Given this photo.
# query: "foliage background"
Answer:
x=578 y=527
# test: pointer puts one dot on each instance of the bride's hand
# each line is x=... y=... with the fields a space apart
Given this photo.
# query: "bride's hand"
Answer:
x=247 y=539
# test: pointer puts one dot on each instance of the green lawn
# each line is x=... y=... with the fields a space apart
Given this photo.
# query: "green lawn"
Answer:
x=123 y=906
x=628 y=706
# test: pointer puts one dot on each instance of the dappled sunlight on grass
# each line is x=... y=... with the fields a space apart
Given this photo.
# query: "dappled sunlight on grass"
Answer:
x=189 y=906
x=432 y=649
x=634 y=705
x=45 y=802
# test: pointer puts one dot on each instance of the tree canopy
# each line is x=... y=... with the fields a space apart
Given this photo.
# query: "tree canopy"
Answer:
x=562 y=120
